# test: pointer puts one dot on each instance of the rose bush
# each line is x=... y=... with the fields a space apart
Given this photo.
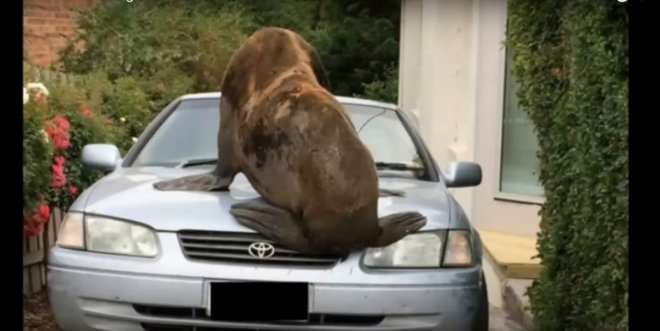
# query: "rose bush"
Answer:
x=37 y=155
x=58 y=122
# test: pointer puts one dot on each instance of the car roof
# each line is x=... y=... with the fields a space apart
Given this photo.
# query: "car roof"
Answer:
x=342 y=99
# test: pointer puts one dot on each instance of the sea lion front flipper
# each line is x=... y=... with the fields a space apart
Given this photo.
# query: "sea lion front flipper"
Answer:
x=209 y=181
x=274 y=223
x=226 y=168
x=383 y=192
x=396 y=226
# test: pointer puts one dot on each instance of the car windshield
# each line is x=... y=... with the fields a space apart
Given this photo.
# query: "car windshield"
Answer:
x=189 y=134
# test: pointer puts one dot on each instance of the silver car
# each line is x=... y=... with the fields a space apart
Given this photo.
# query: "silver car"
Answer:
x=129 y=257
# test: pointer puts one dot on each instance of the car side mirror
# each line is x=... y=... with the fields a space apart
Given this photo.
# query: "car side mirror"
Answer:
x=104 y=157
x=462 y=174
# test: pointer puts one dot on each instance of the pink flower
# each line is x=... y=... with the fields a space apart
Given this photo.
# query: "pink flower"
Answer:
x=58 y=130
x=62 y=123
x=58 y=178
x=44 y=212
x=29 y=230
x=33 y=230
x=85 y=111
x=59 y=160
x=73 y=190
x=34 y=225
x=62 y=143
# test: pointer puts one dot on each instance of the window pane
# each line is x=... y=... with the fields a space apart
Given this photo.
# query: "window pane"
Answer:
x=519 y=145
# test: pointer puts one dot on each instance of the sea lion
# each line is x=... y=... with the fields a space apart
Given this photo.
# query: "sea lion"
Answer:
x=282 y=128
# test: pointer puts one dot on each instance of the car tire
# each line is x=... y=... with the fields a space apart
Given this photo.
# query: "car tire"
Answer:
x=482 y=317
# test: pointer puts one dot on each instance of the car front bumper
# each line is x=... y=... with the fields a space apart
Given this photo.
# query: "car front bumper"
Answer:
x=97 y=292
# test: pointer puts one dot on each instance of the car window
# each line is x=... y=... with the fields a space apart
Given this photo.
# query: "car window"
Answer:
x=384 y=134
x=190 y=132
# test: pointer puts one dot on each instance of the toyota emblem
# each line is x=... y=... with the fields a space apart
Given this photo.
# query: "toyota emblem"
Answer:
x=261 y=250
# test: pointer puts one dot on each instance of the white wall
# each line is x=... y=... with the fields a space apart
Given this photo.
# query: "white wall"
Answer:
x=501 y=215
x=435 y=80
x=452 y=77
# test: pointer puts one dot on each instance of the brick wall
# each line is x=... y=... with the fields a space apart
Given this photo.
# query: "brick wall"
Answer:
x=46 y=26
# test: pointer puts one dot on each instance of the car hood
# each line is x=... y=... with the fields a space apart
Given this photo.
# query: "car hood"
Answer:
x=128 y=193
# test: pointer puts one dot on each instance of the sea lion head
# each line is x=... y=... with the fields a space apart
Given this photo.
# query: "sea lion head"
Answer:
x=266 y=56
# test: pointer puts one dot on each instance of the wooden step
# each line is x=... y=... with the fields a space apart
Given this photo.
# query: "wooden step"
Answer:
x=512 y=254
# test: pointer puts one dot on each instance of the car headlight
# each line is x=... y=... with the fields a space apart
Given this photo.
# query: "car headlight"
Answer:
x=423 y=250
x=104 y=235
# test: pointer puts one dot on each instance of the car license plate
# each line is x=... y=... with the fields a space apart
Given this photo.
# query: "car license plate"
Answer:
x=258 y=301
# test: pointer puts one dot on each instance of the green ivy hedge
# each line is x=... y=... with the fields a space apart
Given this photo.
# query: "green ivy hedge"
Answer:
x=571 y=62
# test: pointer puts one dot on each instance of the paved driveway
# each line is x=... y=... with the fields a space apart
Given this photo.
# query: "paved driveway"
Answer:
x=499 y=321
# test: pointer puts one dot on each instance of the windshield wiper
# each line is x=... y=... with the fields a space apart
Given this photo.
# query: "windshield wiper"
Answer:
x=196 y=162
x=379 y=165
x=397 y=166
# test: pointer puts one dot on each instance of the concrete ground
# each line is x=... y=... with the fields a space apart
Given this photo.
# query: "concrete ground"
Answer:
x=499 y=321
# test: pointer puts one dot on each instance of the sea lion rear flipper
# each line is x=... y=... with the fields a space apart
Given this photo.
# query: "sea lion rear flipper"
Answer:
x=203 y=182
x=396 y=226
x=274 y=223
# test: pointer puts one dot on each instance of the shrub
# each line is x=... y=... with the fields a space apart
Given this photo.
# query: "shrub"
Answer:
x=570 y=59
x=37 y=156
x=173 y=49
x=356 y=40
x=58 y=122
x=159 y=47
x=387 y=89
x=126 y=103
x=77 y=122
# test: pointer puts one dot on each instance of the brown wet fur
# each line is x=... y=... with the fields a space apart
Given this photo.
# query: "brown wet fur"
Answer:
x=283 y=129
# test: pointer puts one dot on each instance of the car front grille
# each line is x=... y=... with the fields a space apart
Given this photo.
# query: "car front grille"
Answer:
x=234 y=247
x=197 y=313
